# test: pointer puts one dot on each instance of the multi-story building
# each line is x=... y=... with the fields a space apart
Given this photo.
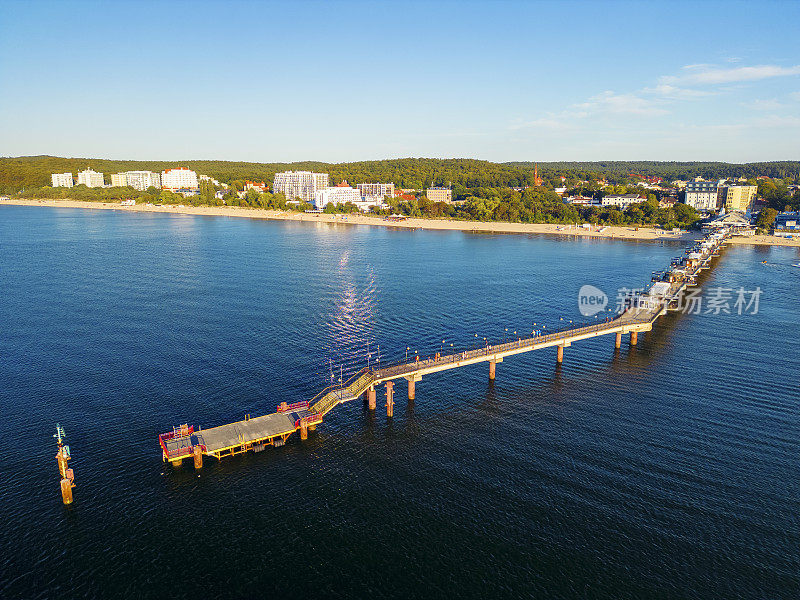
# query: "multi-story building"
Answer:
x=621 y=201
x=302 y=185
x=788 y=221
x=179 y=179
x=142 y=180
x=118 y=180
x=376 y=190
x=90 y=178
x=216 y=183
x=340 y=194
x=62 y=179
x=739 y=197
x=439 y=195
x=703 y=195
x=581 y=201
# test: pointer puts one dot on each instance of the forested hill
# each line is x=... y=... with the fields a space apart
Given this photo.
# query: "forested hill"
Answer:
x=669 y=170
x=34 y=171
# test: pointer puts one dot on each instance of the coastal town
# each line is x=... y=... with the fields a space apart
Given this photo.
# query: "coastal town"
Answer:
x=732 y=203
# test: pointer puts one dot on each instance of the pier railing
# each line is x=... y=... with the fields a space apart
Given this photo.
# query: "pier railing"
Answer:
x=628 y=318
x=332 y=395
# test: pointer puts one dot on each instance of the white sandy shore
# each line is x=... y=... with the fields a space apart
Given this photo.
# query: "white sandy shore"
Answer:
x=626 y=233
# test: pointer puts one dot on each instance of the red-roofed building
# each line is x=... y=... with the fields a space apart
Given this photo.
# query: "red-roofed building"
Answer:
x=258 y=186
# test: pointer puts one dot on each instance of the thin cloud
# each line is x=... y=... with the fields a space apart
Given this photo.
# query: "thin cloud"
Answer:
x=697 y=66
x=770 y=104
x=621 y=104
x=552 y=123
x=707 y=75
x=677 y=93
x=607 y=103
x=778 y=121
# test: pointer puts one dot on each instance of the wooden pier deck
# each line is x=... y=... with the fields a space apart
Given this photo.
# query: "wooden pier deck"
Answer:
x=642 y=309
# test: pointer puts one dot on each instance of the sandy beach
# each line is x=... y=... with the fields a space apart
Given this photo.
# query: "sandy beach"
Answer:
x=626 y=233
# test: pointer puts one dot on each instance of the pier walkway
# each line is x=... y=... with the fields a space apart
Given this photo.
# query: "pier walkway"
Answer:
x=641 y=309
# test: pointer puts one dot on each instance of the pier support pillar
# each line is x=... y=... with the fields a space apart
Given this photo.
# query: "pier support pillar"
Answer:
x=66 y=491
x=389 y=398
x=303 y=429
x=492 y=368
x=411 y=390
x=198 y=457
x=177 y=463
x=560 y=354
x=371 y=398
x=618 y=340
x=634 y=337
x=62 y=464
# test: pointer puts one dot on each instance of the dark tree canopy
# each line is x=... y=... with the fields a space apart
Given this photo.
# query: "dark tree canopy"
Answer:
x=418 y=173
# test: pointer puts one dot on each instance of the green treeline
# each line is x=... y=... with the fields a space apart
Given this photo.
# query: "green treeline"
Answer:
x=483 y=190
x=778 y=196
x=538 y=205
x=206 y=197
x=417 y=173
x=533 y=205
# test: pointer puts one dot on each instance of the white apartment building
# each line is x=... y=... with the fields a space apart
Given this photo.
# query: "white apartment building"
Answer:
x=702 y=195
x=338 y=195
x=212 y=180
x=179 y=179
x=581 y=201
x=90 y=178
x=300 y=184
x=118 y=180
x=439 y=195
x=373 y=190
x=621 y=201
x=62 y=179
x=142 y=180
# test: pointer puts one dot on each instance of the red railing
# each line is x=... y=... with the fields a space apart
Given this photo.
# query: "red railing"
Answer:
x=311 y=419
x=181 y=431
x=283 y=407
x=177 y=432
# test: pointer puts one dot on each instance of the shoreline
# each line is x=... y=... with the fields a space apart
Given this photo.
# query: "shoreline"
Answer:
x=605 y=232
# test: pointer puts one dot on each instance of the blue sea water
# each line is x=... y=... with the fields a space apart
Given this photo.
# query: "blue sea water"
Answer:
x=668 y=470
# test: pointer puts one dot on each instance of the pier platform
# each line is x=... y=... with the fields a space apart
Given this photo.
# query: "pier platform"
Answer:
x=241 y=436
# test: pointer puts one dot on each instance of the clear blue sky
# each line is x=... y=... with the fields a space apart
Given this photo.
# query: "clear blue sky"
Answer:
x=341 y=81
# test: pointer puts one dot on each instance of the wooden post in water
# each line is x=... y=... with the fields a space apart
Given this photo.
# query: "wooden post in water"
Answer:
x=389 y=399
x=560 y=354
x=492 y=367
x=371 y=395
x=198 y=457
x=618 y=340
x=66 y=491
x=634 y=337
x=303 y=429
x=62 y=458
x=411 y=390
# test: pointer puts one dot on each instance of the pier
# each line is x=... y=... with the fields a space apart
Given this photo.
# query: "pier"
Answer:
x=640 y=311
